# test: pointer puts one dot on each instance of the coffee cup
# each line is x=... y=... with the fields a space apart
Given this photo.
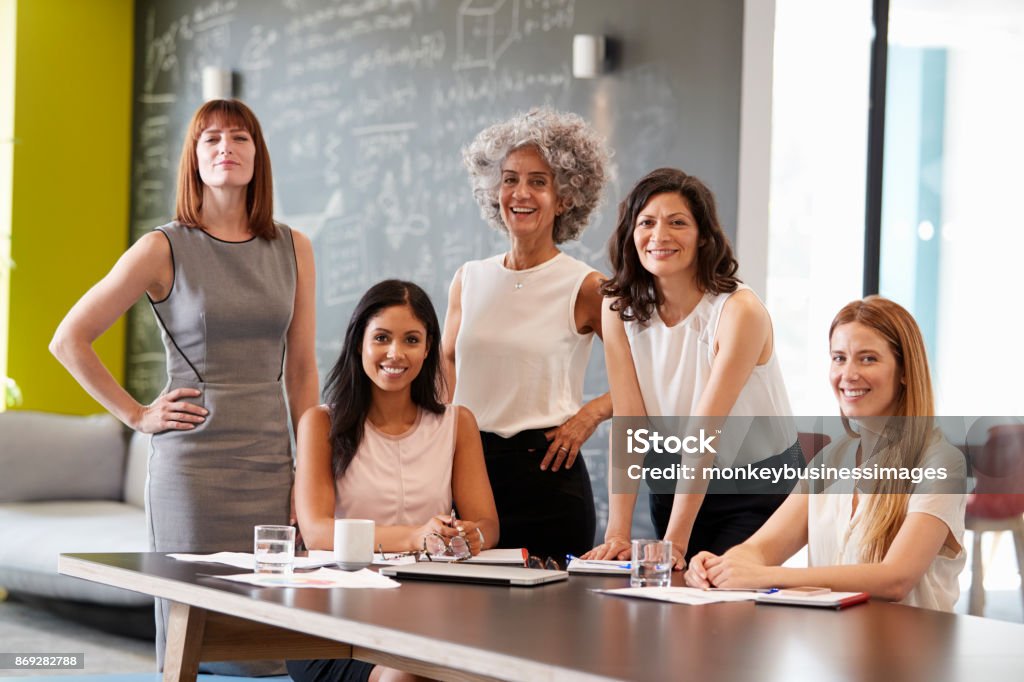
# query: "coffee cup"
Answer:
x=353 y=543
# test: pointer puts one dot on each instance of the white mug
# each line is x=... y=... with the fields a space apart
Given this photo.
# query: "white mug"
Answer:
x=353 y=543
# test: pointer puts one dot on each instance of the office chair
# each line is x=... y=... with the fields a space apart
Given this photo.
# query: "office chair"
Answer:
x=812 y=443
x=997 y=504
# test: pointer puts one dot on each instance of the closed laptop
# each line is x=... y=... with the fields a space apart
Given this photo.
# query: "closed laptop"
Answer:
x=474 y=573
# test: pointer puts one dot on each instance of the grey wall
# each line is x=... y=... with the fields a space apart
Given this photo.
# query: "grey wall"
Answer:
x=367 y=103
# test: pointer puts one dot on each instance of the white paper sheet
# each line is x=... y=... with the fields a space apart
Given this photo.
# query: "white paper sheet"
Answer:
x=325 y=558
x=323 y=578
x=247 y=561
x=681 y=595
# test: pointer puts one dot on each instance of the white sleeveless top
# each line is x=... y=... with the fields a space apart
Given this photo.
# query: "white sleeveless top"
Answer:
x=519 y=361
x=401 y=480
x=673 y=366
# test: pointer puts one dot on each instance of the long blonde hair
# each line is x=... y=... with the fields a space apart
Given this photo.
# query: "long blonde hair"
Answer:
x=903 y=440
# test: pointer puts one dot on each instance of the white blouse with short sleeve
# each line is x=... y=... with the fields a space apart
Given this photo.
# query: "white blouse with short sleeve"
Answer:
x=835 y=533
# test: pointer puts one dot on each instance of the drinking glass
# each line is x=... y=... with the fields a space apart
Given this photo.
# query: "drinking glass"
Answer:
x=651 y=563
x=274 y=547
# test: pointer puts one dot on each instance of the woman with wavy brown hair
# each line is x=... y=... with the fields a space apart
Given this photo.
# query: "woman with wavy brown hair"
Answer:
x=888 y=536
x=684 y=338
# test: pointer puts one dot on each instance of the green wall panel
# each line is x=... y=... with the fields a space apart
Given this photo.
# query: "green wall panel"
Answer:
x=71 y=179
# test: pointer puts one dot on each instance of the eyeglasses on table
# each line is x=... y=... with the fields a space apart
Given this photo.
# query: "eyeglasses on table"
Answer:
x=547 y=563
x=435 y=547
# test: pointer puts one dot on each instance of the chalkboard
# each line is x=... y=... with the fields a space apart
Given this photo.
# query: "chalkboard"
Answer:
x=366 y=105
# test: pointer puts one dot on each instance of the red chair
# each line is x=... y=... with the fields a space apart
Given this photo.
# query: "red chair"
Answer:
x=997 y=504
x=812 y=443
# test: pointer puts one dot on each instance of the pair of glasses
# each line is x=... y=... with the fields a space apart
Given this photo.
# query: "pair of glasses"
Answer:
x=548 y=563
x=391 y=556
x=436 y=545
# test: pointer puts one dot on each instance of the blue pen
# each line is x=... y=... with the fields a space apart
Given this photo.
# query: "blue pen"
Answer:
x=569 y=558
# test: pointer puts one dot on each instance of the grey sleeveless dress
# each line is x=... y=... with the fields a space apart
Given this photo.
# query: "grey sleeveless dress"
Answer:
x=224 y=325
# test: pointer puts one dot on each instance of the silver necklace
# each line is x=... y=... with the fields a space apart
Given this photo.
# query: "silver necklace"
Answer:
x=520 y=275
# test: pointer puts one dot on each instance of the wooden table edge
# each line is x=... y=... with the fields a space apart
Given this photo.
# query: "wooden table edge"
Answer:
x=375 y=644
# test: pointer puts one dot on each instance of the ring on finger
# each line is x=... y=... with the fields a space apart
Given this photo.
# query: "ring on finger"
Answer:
x=563 y=449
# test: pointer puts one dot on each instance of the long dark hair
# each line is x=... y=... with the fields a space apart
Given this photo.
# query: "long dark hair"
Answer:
x=631 y=284
x=347 y=389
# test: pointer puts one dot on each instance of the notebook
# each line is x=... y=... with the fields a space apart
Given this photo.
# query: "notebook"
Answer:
x=597 y=567
x=829 y=600
x=474 y=573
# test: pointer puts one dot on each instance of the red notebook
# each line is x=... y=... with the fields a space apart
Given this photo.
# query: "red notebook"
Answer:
x=829 y=600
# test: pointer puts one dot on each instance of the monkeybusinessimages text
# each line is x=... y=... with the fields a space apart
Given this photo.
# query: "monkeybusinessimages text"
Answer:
x=644 y=441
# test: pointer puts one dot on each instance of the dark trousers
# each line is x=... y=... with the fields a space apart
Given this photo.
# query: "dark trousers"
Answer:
x=732 y=511
x=329 y=670
x=551 y=513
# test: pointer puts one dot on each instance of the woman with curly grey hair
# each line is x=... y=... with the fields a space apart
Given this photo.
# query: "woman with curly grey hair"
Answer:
x=521 y=324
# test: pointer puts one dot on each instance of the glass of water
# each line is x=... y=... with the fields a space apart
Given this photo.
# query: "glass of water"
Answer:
x=651 y=563
x=274 y=547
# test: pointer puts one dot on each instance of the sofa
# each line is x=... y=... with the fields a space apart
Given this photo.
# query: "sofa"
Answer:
x=69 y=484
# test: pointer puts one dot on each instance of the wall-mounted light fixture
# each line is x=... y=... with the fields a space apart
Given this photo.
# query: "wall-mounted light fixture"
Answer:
x=588 y=56
x=216 y=83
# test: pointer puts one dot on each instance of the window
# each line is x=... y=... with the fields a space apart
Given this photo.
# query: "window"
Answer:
x=952 y=238
x=819 y=151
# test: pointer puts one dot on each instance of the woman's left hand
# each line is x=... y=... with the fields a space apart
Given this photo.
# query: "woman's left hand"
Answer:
x=472 y=534
x=737 y=572
x=567 y=439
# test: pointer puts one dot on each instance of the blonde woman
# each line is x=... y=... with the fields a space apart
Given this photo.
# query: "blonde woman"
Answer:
x=888 y=538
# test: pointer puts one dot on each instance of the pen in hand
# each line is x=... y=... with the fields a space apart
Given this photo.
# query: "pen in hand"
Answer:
x=453 y=522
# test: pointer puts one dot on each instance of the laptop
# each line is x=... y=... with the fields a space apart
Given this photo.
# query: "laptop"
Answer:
x=515 y=576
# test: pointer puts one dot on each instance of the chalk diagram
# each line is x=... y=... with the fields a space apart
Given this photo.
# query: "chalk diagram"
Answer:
x=256 y=56
x=161 y=60
x=399 y=224
x=343 y=273
x=485 y=28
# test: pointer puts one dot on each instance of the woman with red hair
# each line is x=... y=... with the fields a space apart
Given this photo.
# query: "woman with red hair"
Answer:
x=233 y=294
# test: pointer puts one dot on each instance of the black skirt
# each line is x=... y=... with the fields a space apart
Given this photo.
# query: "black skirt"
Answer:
x=551 y=513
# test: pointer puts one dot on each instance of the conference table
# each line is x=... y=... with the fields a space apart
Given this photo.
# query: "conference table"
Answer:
x=558 y=631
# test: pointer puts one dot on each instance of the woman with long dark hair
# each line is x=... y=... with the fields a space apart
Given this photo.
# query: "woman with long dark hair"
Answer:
x=384 y=447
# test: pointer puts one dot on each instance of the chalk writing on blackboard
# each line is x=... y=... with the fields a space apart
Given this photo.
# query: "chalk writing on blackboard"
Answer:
x=486 y=28
x=343 y=267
